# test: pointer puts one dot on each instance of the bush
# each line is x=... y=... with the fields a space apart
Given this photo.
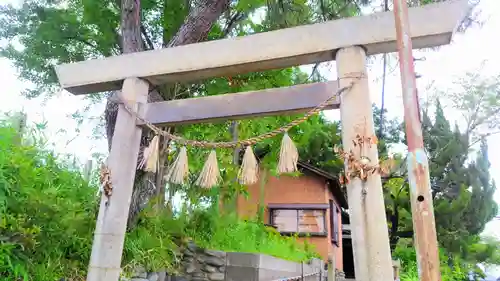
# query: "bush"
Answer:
x=233 y=234
x=48 y=215
x=155 y=242
x=455 y=271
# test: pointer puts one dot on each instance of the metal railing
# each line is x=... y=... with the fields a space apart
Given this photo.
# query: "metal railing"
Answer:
x=301 y=277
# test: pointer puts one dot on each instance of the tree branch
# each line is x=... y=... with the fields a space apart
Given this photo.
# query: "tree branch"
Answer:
x=232 y=23
x=336 y=15
x=198 y=22
x=148 y=44
x=322 y=9
x=482 y=137
x=405 y=234
x=81 y=40
x=314 y=70
x=472 y=122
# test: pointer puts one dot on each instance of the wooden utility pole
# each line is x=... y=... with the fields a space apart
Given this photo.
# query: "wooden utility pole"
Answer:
x=370 y=239
x=418 y=166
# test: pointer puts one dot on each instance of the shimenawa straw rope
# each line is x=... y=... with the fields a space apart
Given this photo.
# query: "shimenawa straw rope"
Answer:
x=210 y=175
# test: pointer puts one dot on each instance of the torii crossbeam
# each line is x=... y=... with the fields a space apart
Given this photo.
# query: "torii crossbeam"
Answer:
x=431 y=25
x=348 y=41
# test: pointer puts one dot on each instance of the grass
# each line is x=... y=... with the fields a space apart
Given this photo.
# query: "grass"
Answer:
x=48 y=216
x=155 y=242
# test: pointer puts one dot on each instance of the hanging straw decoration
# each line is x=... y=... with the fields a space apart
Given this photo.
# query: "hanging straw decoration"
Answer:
x=179 y=170
x=249 y=169
x=289 y=156
x=210 y=173
x=248 y=173
x=149 y=162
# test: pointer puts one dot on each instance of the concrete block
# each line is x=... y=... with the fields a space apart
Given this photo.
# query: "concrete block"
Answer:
x=242 y=260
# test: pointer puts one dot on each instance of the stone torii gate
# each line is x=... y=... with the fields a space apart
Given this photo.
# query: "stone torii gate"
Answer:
x=348 y=41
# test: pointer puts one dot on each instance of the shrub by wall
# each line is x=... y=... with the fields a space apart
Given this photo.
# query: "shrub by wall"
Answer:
x=48 y=212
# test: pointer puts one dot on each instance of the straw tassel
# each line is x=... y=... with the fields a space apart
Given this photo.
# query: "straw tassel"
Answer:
x=249 y=169
x=150 y=157
x=210 y=173
x=179 y=170
x=289 y=155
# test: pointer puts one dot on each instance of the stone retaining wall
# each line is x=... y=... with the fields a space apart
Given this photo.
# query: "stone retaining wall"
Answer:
x=203 y=265
x=209 y=265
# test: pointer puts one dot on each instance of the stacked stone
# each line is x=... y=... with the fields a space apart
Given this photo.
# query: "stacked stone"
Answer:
x=140 y=274
x=197 y=265
x=203 y=265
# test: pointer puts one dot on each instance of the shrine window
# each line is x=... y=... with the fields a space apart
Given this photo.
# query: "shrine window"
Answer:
x=334 y=222
x=299 y=219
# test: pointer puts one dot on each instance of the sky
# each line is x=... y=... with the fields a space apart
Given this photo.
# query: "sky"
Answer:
x=467 y=52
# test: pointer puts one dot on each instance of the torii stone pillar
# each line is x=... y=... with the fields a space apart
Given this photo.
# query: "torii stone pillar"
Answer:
x=111 y=225
x=370 y=238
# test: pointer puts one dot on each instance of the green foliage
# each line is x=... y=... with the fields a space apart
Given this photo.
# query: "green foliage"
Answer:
x=457 y=271
x=485 y=250
x=312 y=137
x=388 y=131
x=51 y=33
x=453 y=267
x=463 y=203
x=43 y=33
x=47 y=214
x=462 y=190
x=316 y=141
x=232 y=234
x=156 y=241
x=88 y=29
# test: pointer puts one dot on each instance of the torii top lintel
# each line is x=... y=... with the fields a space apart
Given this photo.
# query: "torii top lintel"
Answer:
x=431 y=25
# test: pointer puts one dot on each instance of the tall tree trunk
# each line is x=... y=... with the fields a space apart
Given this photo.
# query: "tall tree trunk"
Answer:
x=195 y=29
